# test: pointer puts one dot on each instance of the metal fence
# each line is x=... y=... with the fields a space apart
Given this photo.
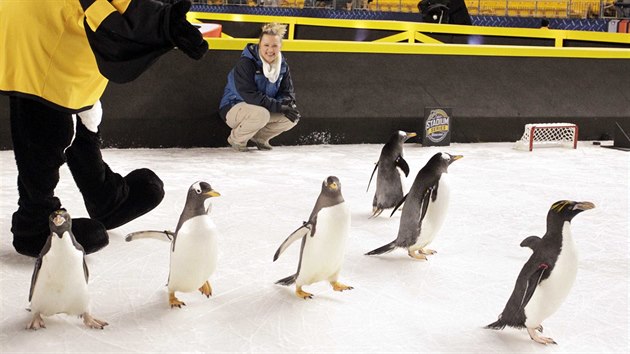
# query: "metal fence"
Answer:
x=514 y=8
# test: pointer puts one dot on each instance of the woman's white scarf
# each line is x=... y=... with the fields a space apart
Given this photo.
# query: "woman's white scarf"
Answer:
x=272 y=71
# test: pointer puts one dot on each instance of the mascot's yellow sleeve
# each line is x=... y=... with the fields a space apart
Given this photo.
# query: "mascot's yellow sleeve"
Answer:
x=62 y=52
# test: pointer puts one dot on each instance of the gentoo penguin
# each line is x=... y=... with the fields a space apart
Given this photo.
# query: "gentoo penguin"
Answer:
x=193 y=245
x=425 y=208
x=547 y=276
x=324 y=238
x=60 y=278
x=388 y=184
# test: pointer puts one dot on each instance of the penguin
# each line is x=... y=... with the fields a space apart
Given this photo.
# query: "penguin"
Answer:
x=323 y=238
x=60 y=277
x=425 y=208
x=548 y=275
x=388 y=180
x=193 y=245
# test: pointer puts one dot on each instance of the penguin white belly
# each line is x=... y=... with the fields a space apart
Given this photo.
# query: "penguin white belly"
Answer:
x=552 y=291
x=436 y=213
x=195 y=256
x=323 y=254
x=61 y=286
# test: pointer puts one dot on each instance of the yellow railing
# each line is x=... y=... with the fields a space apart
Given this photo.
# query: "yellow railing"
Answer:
x=419 y=38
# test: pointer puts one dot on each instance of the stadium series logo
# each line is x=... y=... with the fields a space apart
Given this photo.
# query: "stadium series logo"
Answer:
x=437 y=125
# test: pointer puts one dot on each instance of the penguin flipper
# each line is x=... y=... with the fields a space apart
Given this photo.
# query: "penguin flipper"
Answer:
x=532 y=282
x=531 y=242
x=534 y=271
x=38 y=266
x=165 y=235
x=402 y=164
x=383 y=249
x=298 y=234
x=288 y=280
x=86 y=272
x=398 y=205
x=375 y=167
x=425 y=201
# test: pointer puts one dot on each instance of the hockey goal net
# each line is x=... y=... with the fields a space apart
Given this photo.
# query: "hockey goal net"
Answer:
x=548 y=134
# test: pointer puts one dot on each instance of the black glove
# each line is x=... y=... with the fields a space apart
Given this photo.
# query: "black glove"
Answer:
x=183 y=34
x=287 y=102
x=291 y=112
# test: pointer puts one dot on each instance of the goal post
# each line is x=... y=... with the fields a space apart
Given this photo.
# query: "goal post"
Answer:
x=548 y=135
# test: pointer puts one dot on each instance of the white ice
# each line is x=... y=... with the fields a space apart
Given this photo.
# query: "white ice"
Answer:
x=499 y=196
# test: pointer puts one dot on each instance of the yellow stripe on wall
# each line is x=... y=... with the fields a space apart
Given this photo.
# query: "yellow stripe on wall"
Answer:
x=428 y=48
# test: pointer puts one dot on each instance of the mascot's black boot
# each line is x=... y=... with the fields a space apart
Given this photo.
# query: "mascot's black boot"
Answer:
x=110 y=198
x=40 y=134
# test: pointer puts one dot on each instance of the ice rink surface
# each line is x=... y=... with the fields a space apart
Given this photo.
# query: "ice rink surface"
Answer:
x=499 y=197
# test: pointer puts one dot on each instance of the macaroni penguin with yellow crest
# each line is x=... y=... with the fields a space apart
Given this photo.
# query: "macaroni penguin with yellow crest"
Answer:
x=548 y=275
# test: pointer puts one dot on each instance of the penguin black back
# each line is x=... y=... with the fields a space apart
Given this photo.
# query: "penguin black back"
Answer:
x=423 y=194
x=425 y=186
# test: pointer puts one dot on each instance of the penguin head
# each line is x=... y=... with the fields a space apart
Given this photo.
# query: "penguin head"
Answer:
x=201 y=191
x=566 y=210
x=400 y=137
x=59 y=222
x=449 y=159
x=442 y=160
x=403 y=136
x=331 y=185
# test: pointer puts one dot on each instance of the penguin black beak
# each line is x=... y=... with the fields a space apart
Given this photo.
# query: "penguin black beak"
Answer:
x=582 y=206
x=59 y=220
x=212 y=193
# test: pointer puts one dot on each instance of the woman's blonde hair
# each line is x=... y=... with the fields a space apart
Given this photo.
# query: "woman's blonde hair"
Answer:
x=276 y=29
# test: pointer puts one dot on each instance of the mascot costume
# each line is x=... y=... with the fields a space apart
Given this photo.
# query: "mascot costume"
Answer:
x=57 y=58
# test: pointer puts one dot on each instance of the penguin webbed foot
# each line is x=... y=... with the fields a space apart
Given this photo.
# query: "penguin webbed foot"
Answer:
x=539 y=339
x=337 y=286
x=206 y=289
x=427 y=251
x=92 y=322
x=376 y=211
x=36 y=323
x=303 y=294
x=174 y=301
x=417 y=255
